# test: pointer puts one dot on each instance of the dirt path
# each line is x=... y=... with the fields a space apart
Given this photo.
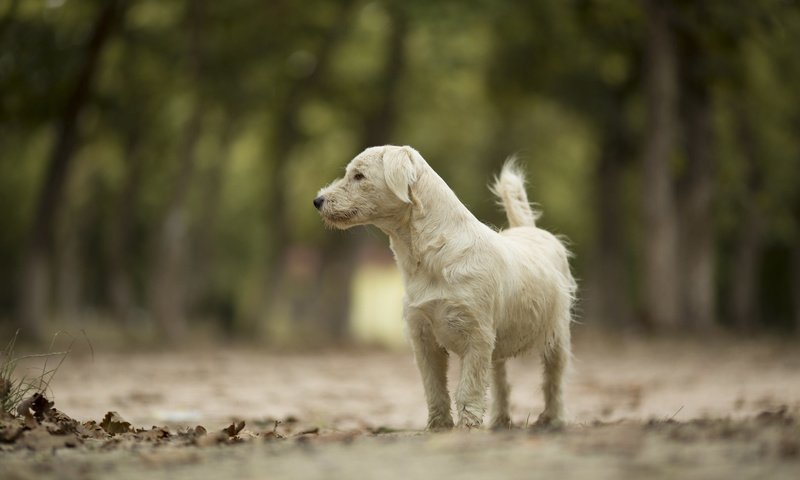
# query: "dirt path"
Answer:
x=659 y=409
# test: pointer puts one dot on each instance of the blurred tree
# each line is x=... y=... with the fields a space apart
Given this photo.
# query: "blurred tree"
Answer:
x=609 y=83
x=169 y=281
x=133 y=98
x=661 y=274
x=696 y=33
x=35 y=291
x=749 y=62
x=120 y=245
x=749 y=247
x=796 y=273
x=306 y=71
x=184 y=154
x=790 y=68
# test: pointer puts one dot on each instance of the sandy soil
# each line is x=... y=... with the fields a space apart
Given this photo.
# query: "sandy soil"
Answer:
x=639 y=408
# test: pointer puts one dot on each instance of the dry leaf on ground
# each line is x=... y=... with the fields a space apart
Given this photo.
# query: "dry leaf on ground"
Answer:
x=234 y=428
x=113 y=423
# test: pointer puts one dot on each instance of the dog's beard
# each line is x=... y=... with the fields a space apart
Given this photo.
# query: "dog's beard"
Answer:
x=340 y=220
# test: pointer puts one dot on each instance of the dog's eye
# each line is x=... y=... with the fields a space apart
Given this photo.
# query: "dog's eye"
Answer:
x=358 y=176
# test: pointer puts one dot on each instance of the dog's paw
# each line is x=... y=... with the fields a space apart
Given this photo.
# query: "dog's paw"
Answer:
x=468 y=420
x=501 y=422
x=547 y=421
x=439 y=423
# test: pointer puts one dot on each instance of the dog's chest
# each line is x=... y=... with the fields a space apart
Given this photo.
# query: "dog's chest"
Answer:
x=450 y=313
x=459 y=314
x=457 y=310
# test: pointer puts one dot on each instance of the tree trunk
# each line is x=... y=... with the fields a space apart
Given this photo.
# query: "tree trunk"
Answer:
x=695 y=197
x=35 y=290
x=660 y=249
x=339 y=253
x=380 y=122
x=203 y=292
x=286 y=136
x=119 y=242
x=796 y=279
x=796 y=255
x=68 y=268
x=168 y=295
x=334 y=281
x=748 y=250
x=608 y=294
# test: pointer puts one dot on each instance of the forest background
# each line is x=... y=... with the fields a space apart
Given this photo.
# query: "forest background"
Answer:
x=158 y=158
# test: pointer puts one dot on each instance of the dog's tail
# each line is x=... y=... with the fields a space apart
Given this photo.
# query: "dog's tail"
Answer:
x=510 y=189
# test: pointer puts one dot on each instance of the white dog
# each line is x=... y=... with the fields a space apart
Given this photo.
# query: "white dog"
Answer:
x=481 y=294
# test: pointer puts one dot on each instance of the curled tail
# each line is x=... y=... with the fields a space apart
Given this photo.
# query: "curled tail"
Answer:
x=510 y=189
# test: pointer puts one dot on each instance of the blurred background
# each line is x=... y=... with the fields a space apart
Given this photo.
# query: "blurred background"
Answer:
x=158 y=158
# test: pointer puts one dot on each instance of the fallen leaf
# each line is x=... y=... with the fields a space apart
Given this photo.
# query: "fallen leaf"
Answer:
x=91 y=429
x=66 y=423
x=154 y=434
x=53 y=428
x=41 y=406
x=24 y=408
x=234 y=428
x=36 y=406
x=114 y=424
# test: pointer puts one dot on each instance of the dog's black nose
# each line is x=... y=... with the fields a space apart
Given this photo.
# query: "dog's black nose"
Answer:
x=318 y=202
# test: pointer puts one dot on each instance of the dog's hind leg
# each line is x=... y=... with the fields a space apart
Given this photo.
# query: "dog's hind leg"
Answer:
x=500 y=393
x=555 y=358
x=432 y=363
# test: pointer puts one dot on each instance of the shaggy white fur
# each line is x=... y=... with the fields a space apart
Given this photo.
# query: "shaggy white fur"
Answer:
x=484 y=295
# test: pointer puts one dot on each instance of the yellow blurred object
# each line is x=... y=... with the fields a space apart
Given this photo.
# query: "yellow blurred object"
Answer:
x=377 y=307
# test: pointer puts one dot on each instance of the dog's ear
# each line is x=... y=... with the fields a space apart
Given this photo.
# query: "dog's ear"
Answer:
x=399 y=171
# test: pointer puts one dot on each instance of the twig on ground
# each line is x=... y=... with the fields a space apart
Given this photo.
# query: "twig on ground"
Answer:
x=676 y=413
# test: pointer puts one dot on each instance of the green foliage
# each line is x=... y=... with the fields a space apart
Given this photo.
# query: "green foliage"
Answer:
x=282 y=90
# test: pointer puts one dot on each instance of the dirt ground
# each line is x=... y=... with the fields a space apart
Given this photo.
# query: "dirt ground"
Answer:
x=638 y=408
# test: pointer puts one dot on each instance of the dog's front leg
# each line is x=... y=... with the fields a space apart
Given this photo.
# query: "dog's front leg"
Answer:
x=432 y=363
x=475 y=367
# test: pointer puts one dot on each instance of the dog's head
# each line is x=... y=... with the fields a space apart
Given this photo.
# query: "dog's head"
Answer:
x=376 y=187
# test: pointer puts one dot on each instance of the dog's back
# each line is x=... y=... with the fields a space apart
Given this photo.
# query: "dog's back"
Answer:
x=509 y=187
